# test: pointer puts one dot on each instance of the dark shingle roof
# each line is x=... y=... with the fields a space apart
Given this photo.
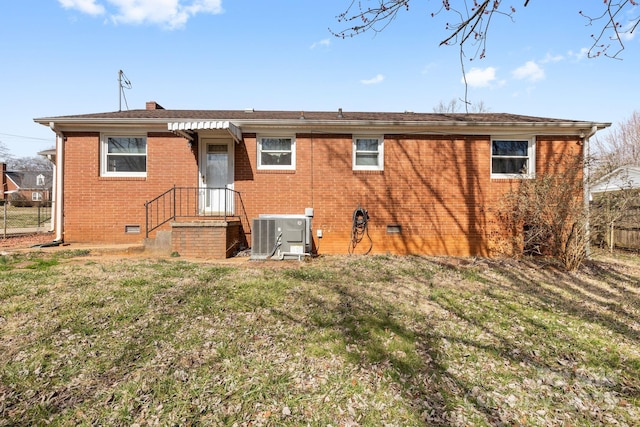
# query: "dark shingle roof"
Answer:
x=29 y=179
x=258 y=115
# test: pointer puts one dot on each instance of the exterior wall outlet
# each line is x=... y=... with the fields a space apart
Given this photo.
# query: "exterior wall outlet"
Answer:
x=319 y=233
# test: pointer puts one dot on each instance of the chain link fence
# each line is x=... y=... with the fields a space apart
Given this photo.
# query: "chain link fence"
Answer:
x=24 y=219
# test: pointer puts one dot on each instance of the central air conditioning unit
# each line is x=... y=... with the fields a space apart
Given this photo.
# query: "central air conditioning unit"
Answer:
x=282 y=236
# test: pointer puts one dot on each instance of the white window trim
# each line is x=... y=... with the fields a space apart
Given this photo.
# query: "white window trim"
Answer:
x=380 y=165
x=36 y=196
x=104 y=152
x=531 y=154
x=275 y=167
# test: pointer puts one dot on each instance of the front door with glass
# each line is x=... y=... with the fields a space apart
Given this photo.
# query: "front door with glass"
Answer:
x=216 y=195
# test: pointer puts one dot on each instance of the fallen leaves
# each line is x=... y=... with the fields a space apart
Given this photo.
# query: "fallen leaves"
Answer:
x=352 y=341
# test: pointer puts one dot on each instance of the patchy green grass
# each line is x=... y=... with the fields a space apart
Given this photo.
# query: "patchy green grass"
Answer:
x=378 y=340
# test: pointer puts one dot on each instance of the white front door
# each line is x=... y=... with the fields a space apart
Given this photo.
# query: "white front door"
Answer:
x=216 y=170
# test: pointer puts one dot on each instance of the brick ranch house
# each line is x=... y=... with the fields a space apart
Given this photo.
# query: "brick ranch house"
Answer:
x=198 y=179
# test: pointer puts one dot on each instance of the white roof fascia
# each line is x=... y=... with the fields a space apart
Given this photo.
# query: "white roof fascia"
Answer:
x=101 y=125
x=622 y=178
x=13 y=181
x=386 y=126
x=434 y=127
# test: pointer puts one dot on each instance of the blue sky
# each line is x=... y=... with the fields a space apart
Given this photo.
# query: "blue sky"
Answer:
x=62 y=57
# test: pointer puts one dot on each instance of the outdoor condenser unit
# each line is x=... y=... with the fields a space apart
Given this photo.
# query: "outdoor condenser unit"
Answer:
x=282 y=236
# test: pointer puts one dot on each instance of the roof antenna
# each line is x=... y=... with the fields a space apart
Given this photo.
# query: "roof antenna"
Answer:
x=123 y=83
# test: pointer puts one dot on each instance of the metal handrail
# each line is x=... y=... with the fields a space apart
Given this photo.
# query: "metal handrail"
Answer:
x=188 y=202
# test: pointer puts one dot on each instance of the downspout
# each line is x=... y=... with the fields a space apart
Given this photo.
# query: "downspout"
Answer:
x=58 y=193
x=586 y=159
x=53 y=197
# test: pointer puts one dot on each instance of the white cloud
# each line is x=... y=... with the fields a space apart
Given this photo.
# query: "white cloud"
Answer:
x=529 y=71
x=377 y=79
x=321 y=43
x=167 y=13
x=626 y=35
x=582 y=54
x=551 y=58
x=85 y=6
x=480 y=77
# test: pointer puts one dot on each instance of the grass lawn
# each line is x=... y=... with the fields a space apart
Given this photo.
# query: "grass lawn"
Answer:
x=340 y=341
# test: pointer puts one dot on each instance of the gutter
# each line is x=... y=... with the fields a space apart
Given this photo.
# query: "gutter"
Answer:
x=57 y=199
x=248 y=124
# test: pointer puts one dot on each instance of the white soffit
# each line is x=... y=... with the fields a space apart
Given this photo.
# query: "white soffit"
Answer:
x=207 y=125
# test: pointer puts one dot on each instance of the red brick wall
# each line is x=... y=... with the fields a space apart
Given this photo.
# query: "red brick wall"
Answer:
x=97 y=209
x=206 y=239
x=3 y=180
x=438 y=189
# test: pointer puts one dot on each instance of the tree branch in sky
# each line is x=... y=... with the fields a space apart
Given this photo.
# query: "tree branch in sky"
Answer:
x=615 y=27
x=617 y=22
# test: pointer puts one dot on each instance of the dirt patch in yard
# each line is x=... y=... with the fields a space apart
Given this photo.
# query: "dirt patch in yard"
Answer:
x=44 y=242
x=106 y=252
x=25 y=241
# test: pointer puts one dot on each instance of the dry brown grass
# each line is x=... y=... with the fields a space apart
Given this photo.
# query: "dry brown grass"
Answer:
x=379 y=340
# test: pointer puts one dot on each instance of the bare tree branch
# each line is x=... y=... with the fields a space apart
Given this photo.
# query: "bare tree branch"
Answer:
x=5 y=155
x=454 y=107
x=369 y=17
x=474 y=20
x=620 y=147
x=613 y=30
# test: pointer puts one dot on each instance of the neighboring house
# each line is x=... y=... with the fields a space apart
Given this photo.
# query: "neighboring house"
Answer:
x=622 y=178
x=3 y=182
x=615 y=200
x=27 y=188
x=431 y=183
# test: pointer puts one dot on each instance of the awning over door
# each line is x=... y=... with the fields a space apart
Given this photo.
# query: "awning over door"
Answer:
x=183 y=128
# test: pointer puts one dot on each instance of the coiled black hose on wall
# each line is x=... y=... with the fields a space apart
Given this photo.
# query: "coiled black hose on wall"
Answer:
x=360 y=229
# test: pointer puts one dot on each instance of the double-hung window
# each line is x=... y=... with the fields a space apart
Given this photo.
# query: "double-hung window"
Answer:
x=123 y=155
x=368 y=153
x=276 y=152
x=512 y=158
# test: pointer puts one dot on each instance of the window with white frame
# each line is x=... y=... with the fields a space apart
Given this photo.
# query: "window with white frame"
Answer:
x=512 y=158
x=40 y=180
x=123 y=155
x=368 y=153
x=36 y=196
x=276 y=152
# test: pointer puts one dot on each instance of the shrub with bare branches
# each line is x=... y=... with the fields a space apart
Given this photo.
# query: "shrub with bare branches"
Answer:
x=546 y=216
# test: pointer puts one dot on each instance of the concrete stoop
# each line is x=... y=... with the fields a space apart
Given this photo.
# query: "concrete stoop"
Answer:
x=160 y=245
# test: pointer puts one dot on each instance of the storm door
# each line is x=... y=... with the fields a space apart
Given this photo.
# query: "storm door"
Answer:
x=216 y=170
